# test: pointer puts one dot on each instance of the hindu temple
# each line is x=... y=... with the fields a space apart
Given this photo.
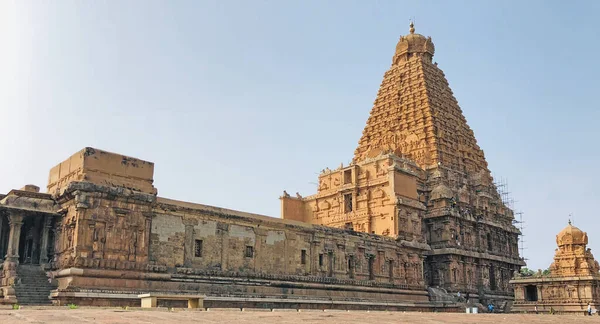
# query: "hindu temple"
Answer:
x=413 y=218
x=573 y=281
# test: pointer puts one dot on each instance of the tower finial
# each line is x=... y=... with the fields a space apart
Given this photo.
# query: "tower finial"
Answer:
x=412 y=27
x=570 y=216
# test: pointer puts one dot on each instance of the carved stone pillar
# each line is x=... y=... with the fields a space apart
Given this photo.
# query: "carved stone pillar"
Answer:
x=15 y=221
x=188 y=246
x=9 y=268
x=44 y=242
x=57 y=242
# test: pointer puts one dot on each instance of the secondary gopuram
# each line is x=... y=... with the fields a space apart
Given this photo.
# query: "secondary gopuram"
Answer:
x=419 y=176
x=573 y=281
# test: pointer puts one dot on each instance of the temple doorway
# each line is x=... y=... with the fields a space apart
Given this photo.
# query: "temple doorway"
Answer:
x=29 y=242
x=531 y=293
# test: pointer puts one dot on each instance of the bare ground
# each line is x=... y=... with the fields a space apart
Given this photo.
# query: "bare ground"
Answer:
x=64 y=315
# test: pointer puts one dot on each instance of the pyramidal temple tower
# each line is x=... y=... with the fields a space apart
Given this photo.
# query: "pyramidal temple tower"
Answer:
x=419 y=176
x=416 y=116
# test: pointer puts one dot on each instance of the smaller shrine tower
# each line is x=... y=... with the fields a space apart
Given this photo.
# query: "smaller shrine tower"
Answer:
x=573 y=281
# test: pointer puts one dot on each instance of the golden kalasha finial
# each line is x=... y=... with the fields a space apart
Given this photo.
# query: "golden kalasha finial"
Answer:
x=412 y=27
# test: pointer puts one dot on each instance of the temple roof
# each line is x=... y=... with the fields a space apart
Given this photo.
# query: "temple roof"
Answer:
x=571 y=235
x=414 y=43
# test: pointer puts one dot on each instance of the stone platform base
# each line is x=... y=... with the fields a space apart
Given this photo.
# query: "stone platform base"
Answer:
x=556 y=308
x=132 y=300
x=121 y=288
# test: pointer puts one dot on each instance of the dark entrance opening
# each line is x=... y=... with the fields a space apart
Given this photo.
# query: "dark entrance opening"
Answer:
x=492 y=277
x=531 y=293
x=351 y=267
x=29 y=242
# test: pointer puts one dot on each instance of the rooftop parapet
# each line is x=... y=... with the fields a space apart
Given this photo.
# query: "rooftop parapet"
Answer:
x=102 y=168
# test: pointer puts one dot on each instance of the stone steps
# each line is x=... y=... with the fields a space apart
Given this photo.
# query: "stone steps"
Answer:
x=34 y=288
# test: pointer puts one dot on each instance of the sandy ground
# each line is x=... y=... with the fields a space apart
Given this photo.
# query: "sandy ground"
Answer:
x=131 y=316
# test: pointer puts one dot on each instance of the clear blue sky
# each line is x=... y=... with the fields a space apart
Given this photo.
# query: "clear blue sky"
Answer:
x=236 y=101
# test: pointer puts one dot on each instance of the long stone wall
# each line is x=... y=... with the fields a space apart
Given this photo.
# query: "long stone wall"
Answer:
x=204 y=237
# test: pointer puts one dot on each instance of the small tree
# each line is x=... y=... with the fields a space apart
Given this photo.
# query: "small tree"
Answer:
x=527 y=272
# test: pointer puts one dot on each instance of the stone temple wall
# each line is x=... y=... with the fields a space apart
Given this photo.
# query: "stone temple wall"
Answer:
x=219 y=240
x=114 y=238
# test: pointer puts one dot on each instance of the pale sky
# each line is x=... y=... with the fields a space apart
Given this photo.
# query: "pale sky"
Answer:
x=236 y=101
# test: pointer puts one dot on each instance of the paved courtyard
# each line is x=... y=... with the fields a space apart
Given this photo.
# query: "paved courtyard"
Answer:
x=112 y=315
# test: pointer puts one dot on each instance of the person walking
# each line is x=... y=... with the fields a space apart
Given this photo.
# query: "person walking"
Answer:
x=589 y=309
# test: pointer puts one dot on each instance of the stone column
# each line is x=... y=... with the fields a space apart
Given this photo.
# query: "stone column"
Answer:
x=9 y=268
x=44 y=242
x=188 y=245
x=15 y=221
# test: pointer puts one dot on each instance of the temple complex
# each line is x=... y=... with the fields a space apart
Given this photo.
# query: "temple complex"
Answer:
x=573 y=281
x=415 y=212
x=418 y=175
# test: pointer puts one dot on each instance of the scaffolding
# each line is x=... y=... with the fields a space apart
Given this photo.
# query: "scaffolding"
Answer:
x=520 y=224
x=502 y=188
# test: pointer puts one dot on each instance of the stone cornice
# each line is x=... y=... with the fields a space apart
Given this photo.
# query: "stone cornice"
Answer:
x=447 y=211
x=29 y=194
x=552 y=279
x=84 y=186
x=479 y=255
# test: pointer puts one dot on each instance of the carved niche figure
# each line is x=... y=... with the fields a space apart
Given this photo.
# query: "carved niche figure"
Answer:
x=416 y=223
x=98 y=241
x=336 y=181
x=132 y=251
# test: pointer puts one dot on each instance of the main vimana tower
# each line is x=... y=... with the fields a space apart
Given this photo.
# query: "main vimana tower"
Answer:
x=419 y=176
